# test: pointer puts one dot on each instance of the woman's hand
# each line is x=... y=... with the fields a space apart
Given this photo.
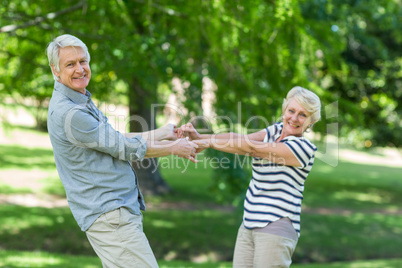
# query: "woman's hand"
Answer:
x=188 y=131
x=202 y=145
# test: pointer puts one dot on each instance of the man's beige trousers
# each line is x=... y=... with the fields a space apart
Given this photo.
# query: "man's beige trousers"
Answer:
x=118 y=239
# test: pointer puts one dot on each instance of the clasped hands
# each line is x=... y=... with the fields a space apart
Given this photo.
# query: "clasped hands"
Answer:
x=188 y=144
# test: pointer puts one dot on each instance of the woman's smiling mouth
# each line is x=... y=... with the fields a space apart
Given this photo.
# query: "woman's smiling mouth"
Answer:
x=292 y=125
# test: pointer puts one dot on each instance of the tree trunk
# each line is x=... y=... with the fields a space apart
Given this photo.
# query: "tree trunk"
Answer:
x=142 y=118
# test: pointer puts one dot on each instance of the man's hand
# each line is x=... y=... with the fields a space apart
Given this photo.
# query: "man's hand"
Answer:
x=185 y=149
x=168 y=132
x=181 y=147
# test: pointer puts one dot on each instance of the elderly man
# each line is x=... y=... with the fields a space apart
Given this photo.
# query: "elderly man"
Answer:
x=93 y=160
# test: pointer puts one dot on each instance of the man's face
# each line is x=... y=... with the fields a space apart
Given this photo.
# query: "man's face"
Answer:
x=75 y=72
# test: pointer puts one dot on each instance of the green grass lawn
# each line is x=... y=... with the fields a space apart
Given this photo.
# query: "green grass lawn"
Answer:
x=350 y=212
x=17 y=259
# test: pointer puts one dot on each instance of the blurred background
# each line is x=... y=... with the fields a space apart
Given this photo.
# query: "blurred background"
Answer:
x=225 y=66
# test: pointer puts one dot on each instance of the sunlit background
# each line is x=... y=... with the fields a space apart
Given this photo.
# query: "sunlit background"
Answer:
x=225 y=66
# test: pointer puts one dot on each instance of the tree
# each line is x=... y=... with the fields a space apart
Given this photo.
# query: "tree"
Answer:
x=365 y=72
x=148 y=29
x=254 y=51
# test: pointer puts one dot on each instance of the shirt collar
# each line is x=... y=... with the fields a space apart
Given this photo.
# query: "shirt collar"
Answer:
x=72 y=94
x=287 y=138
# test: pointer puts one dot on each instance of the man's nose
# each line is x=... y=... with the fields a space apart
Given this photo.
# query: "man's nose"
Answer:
x=79 y=68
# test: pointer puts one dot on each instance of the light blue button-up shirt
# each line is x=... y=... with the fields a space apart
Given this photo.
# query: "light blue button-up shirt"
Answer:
x=92 y=158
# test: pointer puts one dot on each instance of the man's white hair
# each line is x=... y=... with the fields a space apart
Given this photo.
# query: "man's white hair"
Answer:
x=53 y=50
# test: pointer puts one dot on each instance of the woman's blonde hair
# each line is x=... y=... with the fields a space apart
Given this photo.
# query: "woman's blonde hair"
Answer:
x=306 y=98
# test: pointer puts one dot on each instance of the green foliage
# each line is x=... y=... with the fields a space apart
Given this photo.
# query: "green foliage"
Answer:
x=230 y=178
x=254 y=51
x=217 y=177
x=365 y=73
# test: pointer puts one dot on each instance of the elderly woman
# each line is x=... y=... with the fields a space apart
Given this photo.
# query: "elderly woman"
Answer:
x=282 y=159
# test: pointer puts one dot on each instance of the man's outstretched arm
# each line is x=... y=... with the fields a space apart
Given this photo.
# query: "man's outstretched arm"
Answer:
x=166 y=132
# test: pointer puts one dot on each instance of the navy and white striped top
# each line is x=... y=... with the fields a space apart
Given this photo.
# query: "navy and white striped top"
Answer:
x=276 y=190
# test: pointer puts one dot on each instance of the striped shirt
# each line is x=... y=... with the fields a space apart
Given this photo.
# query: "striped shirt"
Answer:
x=276 y=190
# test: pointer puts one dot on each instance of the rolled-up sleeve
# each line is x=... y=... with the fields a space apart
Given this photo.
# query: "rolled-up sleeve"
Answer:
x=84 y=129
x=141 y=150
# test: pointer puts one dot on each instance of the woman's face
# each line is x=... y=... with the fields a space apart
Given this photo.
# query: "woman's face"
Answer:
x=296 y=119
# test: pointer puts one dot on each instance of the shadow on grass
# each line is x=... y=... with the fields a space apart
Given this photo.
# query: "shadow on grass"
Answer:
x=328 y=238
x=189 y=181
x=35 y=229
x=8 y=127
x=354 y=186
x=14 y=259
x=7 y=189
x=18 y=157
x=206 y=235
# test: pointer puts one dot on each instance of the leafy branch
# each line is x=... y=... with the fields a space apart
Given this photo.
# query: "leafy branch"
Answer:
x=39 y=20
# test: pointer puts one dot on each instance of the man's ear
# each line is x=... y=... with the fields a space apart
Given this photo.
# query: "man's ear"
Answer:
x=54 y=70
